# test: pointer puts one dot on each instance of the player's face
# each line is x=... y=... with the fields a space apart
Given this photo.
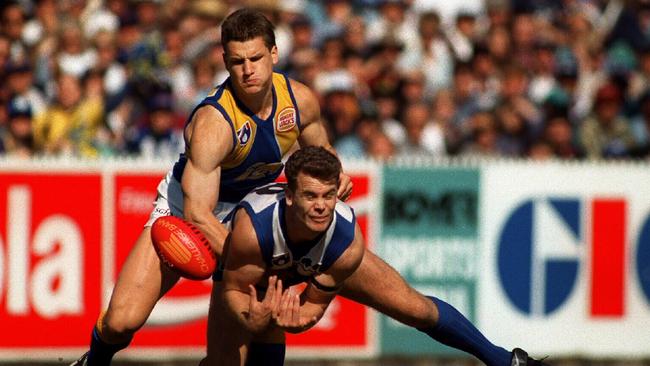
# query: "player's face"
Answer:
x=250 y=64
x=313 y=202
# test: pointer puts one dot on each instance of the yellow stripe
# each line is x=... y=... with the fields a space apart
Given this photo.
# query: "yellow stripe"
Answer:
x=166 y=251
x=175 y=250
x=286 y=138
x=182 y=251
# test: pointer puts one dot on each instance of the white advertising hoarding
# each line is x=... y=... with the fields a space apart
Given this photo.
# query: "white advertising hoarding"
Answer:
x=565 y=252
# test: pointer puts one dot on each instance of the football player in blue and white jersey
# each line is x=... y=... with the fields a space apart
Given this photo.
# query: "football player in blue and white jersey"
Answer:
x=282 y=237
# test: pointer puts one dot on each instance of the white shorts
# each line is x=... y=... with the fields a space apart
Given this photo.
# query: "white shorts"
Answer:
x=170 y=201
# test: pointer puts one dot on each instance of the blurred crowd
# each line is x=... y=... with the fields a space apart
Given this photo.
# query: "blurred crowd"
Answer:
x=540 y=79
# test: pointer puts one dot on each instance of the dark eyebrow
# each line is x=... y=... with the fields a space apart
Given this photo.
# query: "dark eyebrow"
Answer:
x=254 y=57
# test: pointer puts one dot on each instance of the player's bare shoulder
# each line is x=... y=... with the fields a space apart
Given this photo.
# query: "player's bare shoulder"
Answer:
x=210 y=132
x=307 y=101
x=206 y=119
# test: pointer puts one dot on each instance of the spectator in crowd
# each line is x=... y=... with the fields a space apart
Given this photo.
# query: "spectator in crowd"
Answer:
x=640 y=76
x=380 y=147
x=443 y=111
x=423 y=136
x=113 y=72
x=355 y=35
x=13 y=22
x=397 y=22
x=202 y=72
x=158 y=138
x=69 y=125
x=431 y=54
x=18 y=140
x=74 y=57
x=42 y=24
x=20 y=83
x=412 y=88
x=304 y=67
x=341 y=111
x=329 y=18
x=463 y=35
x=488 y=81
x=450 y=10
x=498 y=13
x=559 y=136
x=466 y=98
x=543 y=80
x=641 y=126
x=387 y=107
x=499 y=44
x=5 y=51
x=197 y=26
x=606 y=133
x=514 y=134
x=540 y=150
x=482 y=141
x=302 y=36
x=524 y=29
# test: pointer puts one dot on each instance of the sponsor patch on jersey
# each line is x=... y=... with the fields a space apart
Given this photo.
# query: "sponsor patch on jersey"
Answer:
x=286 y=120
x=244 y=133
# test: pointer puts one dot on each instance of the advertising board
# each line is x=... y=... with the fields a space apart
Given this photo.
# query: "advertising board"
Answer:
x=64 y=235
x=428 y=232
x=567 y=258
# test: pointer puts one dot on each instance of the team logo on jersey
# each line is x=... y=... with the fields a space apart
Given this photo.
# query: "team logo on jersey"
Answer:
x=244 y=133
x=281 y=261
x=307 y=268
x=286 y=120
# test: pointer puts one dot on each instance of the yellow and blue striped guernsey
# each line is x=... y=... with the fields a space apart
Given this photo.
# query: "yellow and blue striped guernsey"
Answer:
x=258 y=145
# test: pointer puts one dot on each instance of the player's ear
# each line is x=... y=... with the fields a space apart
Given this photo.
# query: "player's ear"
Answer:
x=288 y=195
x=274 y=55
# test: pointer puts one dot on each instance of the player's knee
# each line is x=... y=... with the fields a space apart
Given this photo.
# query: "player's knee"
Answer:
x=122 y=322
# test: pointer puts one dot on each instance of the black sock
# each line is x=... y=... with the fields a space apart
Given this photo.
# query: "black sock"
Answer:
x=101 y=353
x=267 y=354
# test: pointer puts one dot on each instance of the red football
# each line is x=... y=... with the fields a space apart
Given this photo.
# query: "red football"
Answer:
x=183 y=247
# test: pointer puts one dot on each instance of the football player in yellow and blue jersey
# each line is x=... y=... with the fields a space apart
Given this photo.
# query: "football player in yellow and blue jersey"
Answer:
x=258 y=144
x=236 y=139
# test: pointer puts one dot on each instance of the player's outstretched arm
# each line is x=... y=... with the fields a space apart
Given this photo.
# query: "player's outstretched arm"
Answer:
x=244 y=268
x=297 y=314
x=209 y=140
x=312 y=130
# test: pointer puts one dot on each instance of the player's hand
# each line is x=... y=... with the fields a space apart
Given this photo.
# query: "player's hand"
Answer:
x=287 y=315
x=260 y=312
x=345 y=187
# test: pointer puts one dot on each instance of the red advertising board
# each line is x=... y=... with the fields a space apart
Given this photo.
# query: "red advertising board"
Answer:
x=64 y=236
x=50 y=268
